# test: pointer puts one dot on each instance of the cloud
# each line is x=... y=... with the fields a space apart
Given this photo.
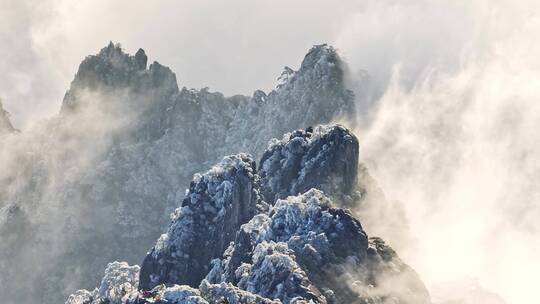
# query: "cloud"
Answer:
x=452 y=136
x=27 y=81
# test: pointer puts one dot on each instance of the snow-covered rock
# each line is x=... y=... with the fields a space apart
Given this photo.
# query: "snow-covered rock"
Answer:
x=315 y=94
x=325 y=157
x=175 y=294
x=119 y=282
x=303 y=250
x=227 y=196
x=119 y=285
x=217 y=204
x=307 y=249
x=81 y=297
x=228 y=293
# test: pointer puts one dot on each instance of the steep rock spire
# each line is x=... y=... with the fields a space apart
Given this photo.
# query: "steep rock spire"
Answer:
x=115 y=72
x=218 y=202
x=315 y=94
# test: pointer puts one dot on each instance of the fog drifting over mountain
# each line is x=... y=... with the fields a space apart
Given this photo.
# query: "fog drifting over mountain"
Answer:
x=451 y=134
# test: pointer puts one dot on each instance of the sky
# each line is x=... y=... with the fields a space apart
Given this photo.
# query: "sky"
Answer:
x=452 y=135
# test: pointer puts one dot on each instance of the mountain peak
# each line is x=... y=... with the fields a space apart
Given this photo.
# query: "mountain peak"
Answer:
x=141 y=59
x=320 y=51
x=321 y=64
x=112 y=69
x=322 y=55
x=111 y=48
x=113 y=52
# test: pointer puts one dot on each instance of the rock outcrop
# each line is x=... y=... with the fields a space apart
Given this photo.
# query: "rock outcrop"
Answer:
x=315 y=94
x=217 y=204
x=119 y=282
x=304 y=250
x=229 y=244
x=324 y=157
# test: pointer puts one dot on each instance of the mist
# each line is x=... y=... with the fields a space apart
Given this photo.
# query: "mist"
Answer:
x=453 y=136
x=450 y=135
